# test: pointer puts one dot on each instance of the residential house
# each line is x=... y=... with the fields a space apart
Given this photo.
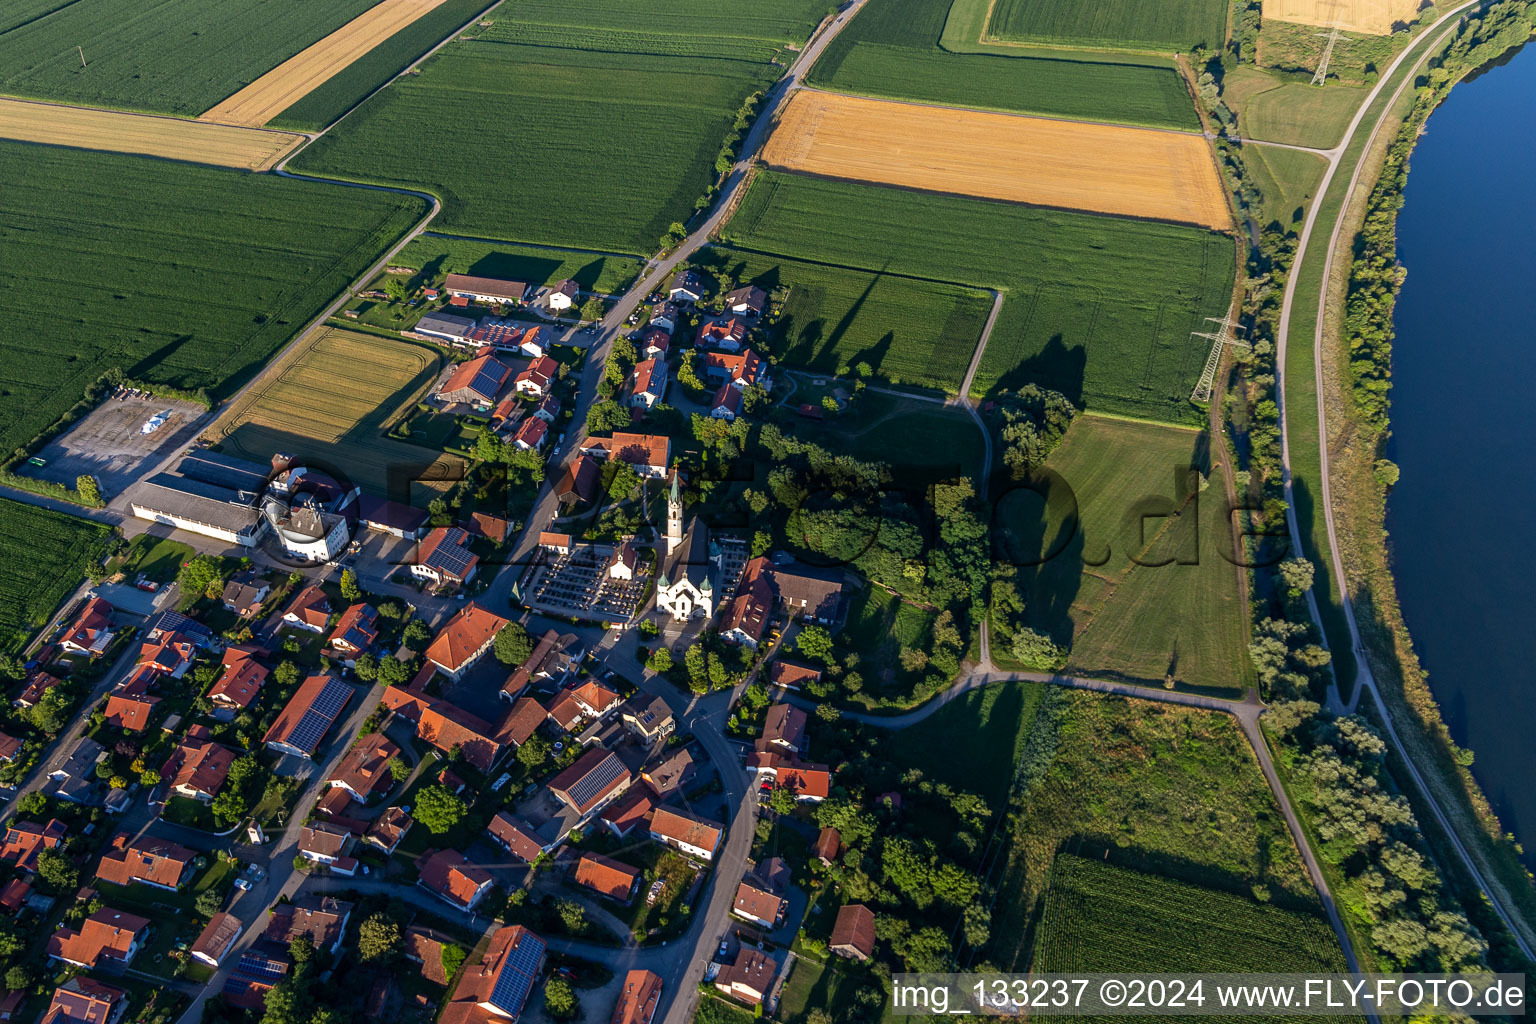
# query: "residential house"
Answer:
x=784 y=729
x=325 y=843
x=75 y=779
x=594 y=779
x=748 y=300
x=308 y=716
x=595 y=699
x=531 y=435
x=516 y=836
x=82 y=1000
x=648 y=717
x=239 y=683
x=256 y=973
x=443 y=327
x=464 y=639
x=445 y=558
x=129 y=708
x=496 y=989
x=538 y=377
x=198 y=766
x=805 y=781
x=548 y=409
x=356 y=631
x=607 y=877
x=686 y=831
x=364 y=771
x=726 y=405
x=727 y=335
x=322 y=918
x=38 y=683
x=146 y=861
x=310 y=610
x=445 y=725
x=743 y=369
x=215 y=941
x=758 y=903
x=634 y=808
x=565 y=712
x=10 y=746
x=579 y=481
x=638 y=998
x=389 y=828
x=169 y=652
x=555 y=543
x=107 y=935
x=492 y=290
x=750 y=978
x=90 y=632
x=14 y=896
x=687 y=286
x=666 y=316
x=829 y=846
x=477 y=382
x=746 y=616
x=653 y=343
x=650 y=383
x=554 y=658
x=532 y=343
x=523 y=721
x=424 y=946
x=853 y=933
x=563 y=296
x=792 y=675
x=671 y=774
x=485 y=526
x=24 y=840
x=245 y=592
x=450 y=875
x=811 y=593
x=649 y=454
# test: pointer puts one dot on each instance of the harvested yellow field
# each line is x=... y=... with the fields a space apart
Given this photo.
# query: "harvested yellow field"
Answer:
x=1374 y=17
x=170 y=137
x=278 y=89
x=1132 y=172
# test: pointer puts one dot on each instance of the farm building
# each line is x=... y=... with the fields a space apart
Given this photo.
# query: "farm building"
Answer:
x=493 y=290
x=199 y=508
x=563 y=295
x=579 y=481
x=499 y=986
x=853 y=935
x=455 y=330
x=749 y=300
x=476 y=382
x=594 y=779
x=305 y=720
x=650 y=383
x=445 y=558
x=391 y=517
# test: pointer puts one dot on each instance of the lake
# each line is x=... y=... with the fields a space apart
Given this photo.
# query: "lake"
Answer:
x=1463 y=517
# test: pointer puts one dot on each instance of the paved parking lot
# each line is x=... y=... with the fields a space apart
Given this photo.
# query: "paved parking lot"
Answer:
x=108 y=443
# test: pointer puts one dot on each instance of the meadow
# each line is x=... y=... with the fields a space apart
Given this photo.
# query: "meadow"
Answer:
x=171 y=56
x=902 y=51
x=1286 y=178
x=1171 y=25
x=1102 y=917
x=878 y=625
x=1098 y=308
x=909 y=331
x=435 y=256
x=332 y=399
x=177 y=274
x=1126 y=568
x=917 y=438
x=1278 y=108
x=43 y=556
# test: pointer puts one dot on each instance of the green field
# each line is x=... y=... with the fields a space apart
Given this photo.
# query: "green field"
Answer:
x=1101 y=917
x=1140 y=622
x=909 y=433
x=352 y=84
x=922 y=50
x=180 y=275
x=1098 y=308
x=878 y=625
x=43 y=556
x=909 y=331
x=436 y=256
x=169 y=56
x=1280 y=109
x=982 y=735
x=1286 y=178
x=568 y=126
x=1152 y=24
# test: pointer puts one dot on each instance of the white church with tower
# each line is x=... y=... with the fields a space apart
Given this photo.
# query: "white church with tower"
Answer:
x=688 y=586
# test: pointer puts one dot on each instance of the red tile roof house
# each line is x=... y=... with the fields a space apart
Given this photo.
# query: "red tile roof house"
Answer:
x=853 y=934
x=14 y=896
x=310 y=610
x=516 y=836
x=594 y=779
x=743 y=369
x=687 y=832
x=364 y=771
x=445 y=559
x=726 y=405
x=106 y=935
x=748 y=300
x=91 y=631
x=303 y=723
x=462 y=641
x=650 y=384
x=565 y=712
x=25 y=839
x=198 y=766
x=215 y=941
x=422 y=945
x=322 y=918
x=355 y=632
x=622 y=816
x=595 y=699
x=607 y=877
x=649 y=454
x=784 y=729
x=531 y=435
x=389 y=828
x=757 y=904
x=10 y=746
x=638 y=998
x=537 y=378
x=171 y=654
x=146 y=861
x=450 y=875
x=324 y=843
x=727 y=335
x=750 y=978
x=523 y=720
x=829 y=843
x=653 y=343
x=129 y=710
x=85 y=1001
x=791 y=675
x=496 y=990
x=39 y=684
x=670 y=774
x=241 y=681
x=446 y=725
x=806 y=781
x=477 y=382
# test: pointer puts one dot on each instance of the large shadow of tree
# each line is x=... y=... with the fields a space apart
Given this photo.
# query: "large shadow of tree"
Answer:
x=1055 y=366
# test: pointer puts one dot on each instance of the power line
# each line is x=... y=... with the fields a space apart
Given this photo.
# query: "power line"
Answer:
x=1219 y=340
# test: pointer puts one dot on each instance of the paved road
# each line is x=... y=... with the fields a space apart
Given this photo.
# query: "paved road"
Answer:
x=1523 y=935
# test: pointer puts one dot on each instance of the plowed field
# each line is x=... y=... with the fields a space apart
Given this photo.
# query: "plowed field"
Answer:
x=1072 y=165
x=1373 y=16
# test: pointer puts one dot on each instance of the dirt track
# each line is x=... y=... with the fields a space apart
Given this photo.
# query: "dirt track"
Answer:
x=1374 y=17
x=278 y=89
x=169 y=137
x=1133 y=172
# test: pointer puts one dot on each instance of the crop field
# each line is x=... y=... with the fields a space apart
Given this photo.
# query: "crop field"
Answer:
x=435 y=256
x=1101 y=917
x=43 y=557
x=1168 y=789
x=1127 y=568
x=1072 y=165
x=909 y=331
x=903 y=51
x=166 y=56
x=332 y=399
x=1098 y=308
x=1374 y=17
x=741 y=29
x=180 y=275
x=1179 y=25
x=296 y=77
x=168 y=137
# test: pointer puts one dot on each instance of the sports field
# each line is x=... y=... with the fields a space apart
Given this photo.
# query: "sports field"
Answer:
x=290 y=81
x=1375 y=17
x=930 y=51
x=172 y=138
x=1172 y=25
x=1124 y=563
x=178 y=274
x=43 y=556
x=1073 y=165
x=331 y=400
x=165 y=56
x=1098 y=308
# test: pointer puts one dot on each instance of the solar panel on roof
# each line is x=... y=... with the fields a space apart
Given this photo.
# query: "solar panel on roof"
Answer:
x=259 y=966
x=518 y=971
x=320 y=714
x=595 y=781
x=450 y=557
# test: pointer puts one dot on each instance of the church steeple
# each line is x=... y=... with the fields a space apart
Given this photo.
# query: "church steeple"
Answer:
x=674 y=516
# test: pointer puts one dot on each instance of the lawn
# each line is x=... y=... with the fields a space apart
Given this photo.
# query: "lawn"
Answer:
x=714 y=1010
x=1278 y=108
x=907 y=330
x=812 y=986
x=179 y=275
x=171 y=56
x=434 y=257
x=1101 y=917
x=878 y=626
x=1098 y=308
x=923 y=50
x=330 y=403
x=157 y=558
x=1287 y=178
x=594 y=127
x=1178 y=25
x=1123 y=563
x=913 y=436
x=43 y=557
x=982 y=734
x=1163 y=788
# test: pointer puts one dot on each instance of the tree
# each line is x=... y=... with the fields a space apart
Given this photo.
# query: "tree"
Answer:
x=301 y=948
x=149 y=777
x=56 y=870
x=51 y=713
x=209 y=902
x=453 y=957
x=438 y=809
x=86 y=487
x=815 y=642
x=201 y=575
x=377 y=937
x=513 y=645
x=977 y=925
x=33 y=805
x=660 y=661
x=286 y=674
x=1036 y=650
x=18 y=978
x=350 y=591
x=606 y=416
x=393 y=671
x=417 y=635
x=534 y=751
x=398 y=769
x=593 y=309
x=781 y=801
x=288 y=1001
x=572 y=915
x=560 y=999
x=366 y=667
x=1297 y=573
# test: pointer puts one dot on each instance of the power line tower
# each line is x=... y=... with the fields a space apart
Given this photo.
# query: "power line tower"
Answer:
x=1334 y=37
x=1219 y=340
